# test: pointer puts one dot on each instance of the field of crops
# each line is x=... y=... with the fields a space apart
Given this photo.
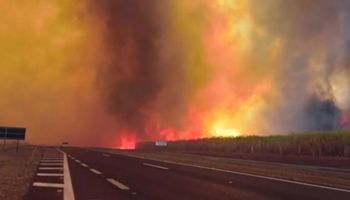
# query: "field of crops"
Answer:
x=335 y=143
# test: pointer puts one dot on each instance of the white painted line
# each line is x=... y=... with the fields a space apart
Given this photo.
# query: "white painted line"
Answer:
x=155 y=166
x=246 y=174
x=68 y=193
x=84 y=165
x=106 y=155
x=48 y=174
x=53 y=157
x=50 y=185
x=50 y=164
x=95 y=171
x=118 y=184
x=50 y=168
x=78 y=161
x=51 y=161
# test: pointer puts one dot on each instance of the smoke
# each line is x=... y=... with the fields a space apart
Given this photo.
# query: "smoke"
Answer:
x=129 y=76
x=177 y=69
x=312 y=62
x=321 y=115
x=112 y=72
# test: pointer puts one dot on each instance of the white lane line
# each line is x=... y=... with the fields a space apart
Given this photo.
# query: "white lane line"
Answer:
x=50 y=164
x=118 y=184
x=155 y=166
x=50 y=168
x=68 y=193
x=48 y=174
x=246 y=174
x=84 y=165
x=50 y=185
x=106 y=155
x=96 y=171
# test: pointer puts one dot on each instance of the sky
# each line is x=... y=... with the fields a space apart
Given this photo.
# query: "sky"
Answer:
x=114 y=72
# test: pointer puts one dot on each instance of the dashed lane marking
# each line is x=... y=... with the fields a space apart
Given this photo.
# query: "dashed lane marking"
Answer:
x=84 y=165
x=155 y=166
x=96 y=171
x=118 y=184
x=245 y=174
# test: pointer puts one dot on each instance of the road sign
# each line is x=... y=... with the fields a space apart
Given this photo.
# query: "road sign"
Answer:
x=161 y=143
x=12 y=133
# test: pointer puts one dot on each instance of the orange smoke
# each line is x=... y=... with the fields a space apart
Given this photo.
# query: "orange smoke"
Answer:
x=112 y=73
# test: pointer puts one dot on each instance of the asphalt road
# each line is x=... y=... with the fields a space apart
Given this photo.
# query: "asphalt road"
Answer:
x=97 y=176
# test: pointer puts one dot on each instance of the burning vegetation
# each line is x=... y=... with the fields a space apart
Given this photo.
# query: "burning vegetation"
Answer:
x=139 y=70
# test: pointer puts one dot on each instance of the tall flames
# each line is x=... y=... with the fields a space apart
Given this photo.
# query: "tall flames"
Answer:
x=114 y=72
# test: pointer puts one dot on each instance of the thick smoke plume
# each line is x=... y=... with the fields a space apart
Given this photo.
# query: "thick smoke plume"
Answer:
x=113 y=72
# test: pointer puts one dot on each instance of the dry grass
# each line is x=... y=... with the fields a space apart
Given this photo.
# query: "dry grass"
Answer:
x=17 y=170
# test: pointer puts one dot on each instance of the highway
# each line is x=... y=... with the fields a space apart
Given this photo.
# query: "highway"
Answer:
x=96 y=175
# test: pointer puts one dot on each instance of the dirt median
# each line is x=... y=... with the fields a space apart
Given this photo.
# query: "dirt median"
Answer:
x=17 y=170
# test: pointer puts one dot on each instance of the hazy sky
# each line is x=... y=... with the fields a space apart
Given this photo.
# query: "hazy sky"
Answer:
x=112 y=72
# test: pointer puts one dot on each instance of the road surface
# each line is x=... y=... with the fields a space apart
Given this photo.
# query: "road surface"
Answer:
x=94 y=175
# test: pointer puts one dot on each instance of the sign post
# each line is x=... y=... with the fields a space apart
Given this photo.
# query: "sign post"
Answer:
x=5 y=138
x=12 y=133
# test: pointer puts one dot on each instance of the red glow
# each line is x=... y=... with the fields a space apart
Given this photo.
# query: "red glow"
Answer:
x=127 y=140
x=344 y=120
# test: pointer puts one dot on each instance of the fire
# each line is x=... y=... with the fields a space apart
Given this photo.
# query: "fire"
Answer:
x=170 y=70
x=224 y=132
x=127 y=141
x=222 y=126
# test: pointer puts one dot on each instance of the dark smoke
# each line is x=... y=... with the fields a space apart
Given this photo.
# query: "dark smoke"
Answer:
x=321 y=115
x=129 y=75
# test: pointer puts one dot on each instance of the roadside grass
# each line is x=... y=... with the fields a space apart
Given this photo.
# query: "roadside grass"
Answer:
x=17 y=170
